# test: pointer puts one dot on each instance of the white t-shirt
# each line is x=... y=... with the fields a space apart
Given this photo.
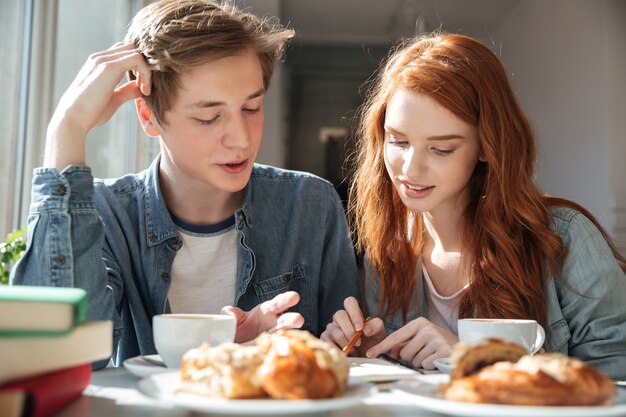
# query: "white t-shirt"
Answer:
x=205 y=268
x=442 y=311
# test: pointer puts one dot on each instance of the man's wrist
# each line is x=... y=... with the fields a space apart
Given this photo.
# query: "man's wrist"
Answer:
x=65 y=144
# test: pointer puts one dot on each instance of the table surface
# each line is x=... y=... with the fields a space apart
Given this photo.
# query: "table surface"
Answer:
x=113 y=392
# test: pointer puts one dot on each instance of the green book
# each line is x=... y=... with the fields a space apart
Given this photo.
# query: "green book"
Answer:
x=40 y=311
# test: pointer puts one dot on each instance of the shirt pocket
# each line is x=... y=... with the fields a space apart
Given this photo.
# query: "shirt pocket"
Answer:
x=294 y=280
x=558 y=337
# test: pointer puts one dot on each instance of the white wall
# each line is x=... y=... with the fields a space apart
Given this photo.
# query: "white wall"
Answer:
x=616 y=42
x=568 y=63
x=273 y=147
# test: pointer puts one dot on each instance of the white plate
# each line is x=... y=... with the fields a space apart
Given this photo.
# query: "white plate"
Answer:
x=425 y=393
x=164 y=387
x=140 y=367
x=444 y=365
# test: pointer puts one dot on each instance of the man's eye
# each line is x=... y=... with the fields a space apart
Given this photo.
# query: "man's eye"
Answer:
x=209 y=121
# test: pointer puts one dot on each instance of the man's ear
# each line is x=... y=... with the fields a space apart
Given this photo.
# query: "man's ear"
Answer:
x=146 y=118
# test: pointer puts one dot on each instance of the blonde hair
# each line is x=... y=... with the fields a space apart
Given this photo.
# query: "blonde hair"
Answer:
x=175 y=35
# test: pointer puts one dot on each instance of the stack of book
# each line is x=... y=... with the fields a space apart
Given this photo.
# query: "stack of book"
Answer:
x=46 y=348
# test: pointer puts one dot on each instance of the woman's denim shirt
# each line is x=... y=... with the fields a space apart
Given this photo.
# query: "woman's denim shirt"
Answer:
x=116 y=239
x=586 y=305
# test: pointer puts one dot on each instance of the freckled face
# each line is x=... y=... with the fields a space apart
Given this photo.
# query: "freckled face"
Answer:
x=214 y=128
x=430 y=154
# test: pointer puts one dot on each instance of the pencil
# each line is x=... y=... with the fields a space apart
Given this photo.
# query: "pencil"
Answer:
x=355 y=338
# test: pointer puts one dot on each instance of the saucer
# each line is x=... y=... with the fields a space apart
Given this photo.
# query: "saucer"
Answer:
x=143 y=366
x=444 y=365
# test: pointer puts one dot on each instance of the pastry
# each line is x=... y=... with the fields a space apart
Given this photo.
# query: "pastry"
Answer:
x=539 y=380
x=469 y=359
x=228 y=370
x=287 y=364
x=298 y=365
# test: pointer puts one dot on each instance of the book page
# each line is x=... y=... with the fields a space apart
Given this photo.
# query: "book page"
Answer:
x=378 y=370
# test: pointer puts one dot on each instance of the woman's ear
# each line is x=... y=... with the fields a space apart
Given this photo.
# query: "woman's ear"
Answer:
x=481 y=156
x=146 y=118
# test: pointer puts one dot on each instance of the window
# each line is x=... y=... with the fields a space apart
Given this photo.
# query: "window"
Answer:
x=12 y=14
x=57 y=36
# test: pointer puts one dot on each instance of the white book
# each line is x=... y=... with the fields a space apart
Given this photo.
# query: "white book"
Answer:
x=378 y=370
x=22 y=356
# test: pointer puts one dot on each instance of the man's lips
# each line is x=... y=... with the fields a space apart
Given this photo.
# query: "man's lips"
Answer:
x=235 y=167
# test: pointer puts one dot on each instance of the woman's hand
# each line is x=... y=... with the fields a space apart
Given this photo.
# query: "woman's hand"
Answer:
x=266 y=317
x=347 y=322
x=91 y=99
x=419 y=342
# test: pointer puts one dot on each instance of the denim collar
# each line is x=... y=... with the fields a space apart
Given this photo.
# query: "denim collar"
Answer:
x=159 y=223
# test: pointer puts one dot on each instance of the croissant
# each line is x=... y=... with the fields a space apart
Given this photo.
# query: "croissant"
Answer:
x=298 y=365
x=469 y=359
x=288 y=364
x=539 y=380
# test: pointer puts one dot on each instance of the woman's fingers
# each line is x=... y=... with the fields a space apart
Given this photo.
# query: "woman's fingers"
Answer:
x=399 y=336
x=342 y=329
x=374 y=327
x=354 y=313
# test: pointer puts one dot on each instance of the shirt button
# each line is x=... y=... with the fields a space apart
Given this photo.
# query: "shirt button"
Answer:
x=152 y=238
x=60 y=260
x=60 y=190
x=165 y=276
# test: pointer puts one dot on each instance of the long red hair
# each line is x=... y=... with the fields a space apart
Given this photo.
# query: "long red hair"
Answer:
x=506 y=225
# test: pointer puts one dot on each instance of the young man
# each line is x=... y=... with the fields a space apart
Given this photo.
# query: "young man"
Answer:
x=203 y=227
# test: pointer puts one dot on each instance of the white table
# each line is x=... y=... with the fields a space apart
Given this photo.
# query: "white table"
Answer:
x=113 y=393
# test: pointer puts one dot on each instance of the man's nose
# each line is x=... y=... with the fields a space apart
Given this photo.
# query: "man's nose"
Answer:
x=237 y=134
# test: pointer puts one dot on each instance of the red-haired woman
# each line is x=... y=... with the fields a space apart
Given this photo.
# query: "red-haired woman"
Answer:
x=452 y=225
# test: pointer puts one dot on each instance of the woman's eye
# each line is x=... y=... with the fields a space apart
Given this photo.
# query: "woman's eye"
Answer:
x=252 y=110
x=443 y=152
x=391 y=140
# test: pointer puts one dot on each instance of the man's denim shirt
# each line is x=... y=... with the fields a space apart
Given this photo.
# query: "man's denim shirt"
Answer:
x=116 y=239
x=586 y=305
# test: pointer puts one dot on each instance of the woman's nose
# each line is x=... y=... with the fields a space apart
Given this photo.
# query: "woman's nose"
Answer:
x=414 y=162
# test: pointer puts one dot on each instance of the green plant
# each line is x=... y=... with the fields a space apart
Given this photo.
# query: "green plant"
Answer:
x=10 y=251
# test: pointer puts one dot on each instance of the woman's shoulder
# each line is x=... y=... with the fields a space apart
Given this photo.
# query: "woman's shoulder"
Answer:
x=569 y=222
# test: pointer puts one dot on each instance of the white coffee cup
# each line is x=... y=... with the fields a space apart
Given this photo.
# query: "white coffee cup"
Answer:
x=527 y=333
x=175 y=334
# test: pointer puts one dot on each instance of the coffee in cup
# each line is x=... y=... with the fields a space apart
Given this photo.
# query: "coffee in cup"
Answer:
x=527 y=333
x=175 y=334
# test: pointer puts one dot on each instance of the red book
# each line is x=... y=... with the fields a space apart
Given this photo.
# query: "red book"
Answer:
x=45 y=394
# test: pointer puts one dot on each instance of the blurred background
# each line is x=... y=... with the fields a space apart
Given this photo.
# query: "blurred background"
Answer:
x=565 y=58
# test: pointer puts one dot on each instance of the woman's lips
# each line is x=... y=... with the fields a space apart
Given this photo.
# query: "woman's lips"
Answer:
x=416 y=191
